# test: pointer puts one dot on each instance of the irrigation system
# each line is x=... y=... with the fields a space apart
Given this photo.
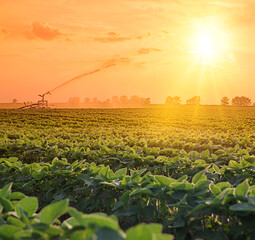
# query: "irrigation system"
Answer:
x=43 y=103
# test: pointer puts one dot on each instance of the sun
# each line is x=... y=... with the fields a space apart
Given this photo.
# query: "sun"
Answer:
x=205 y=46
x=210 y=42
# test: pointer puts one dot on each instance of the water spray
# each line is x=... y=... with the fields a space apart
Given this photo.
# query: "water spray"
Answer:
x=44 y=103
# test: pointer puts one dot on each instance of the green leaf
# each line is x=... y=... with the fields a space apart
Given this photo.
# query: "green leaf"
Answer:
x=223 y=185
x=51 y=212
x=15 y=221
x=199 y=177
x=79 y=235
x=121 y=173
x=29 y=205
x=242 y=207
x=216 y=168
x=17 y=196
x=6 y=204
x=7 y=231
x=107 y=233
x=163 y=180
x=140 y=231
x=250 y=159
x=100 y=220
x=199 y=207
x=214 y=189
x=182 y=186
x=147 y=232
x=138 y=192
x=242 y=188
x=117 y=205
x=125 y=196
x=6 y=191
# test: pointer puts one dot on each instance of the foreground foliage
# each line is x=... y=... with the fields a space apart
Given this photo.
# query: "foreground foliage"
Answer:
x=19 y=220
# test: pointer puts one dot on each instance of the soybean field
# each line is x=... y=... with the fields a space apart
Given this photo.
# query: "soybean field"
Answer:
x=183 y=172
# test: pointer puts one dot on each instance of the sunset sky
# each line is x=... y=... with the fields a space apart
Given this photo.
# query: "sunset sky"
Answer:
x=160 y=47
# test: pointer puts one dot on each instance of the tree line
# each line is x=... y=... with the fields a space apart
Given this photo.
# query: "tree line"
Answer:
x=237 y=101
x=177 y=100
x=115 y=101
x=225 y=101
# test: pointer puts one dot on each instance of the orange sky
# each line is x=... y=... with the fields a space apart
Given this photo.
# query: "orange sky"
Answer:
x=44 y=43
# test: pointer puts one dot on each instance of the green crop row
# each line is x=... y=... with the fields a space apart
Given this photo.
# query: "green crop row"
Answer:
x=19 y=220
x=202 y=205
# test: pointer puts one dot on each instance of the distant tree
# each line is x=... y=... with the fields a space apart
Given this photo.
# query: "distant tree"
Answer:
x=241 y=101
x=147 y=101
x=14 y=100
x=95 y=101
x=87 y=100
x=115 y=100
x=74 y=100
x=108 y=101
x=193 y=101
x=173 y=100
x=135 y=100
x=225 y=101
x=123 y=100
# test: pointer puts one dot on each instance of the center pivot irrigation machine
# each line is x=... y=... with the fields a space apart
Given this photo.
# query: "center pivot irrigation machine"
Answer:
x=42 y=103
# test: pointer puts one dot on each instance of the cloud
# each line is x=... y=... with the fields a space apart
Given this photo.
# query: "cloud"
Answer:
x=4 y=31
x=148 y=50
x=44 y=31
x=113 y=34
x=112 y=39
x=118 y=59
x=116 y=37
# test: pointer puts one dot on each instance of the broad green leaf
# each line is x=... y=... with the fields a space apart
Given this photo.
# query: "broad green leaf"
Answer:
x=223 y=185
x=242 y=188
x=6 y=191
x=147 y=232
x=125 y=196
x=107 y=233
x=15 y=221
x=141 y=231
x=7 y=231
x=163 y=180
x=121 y=173
x=234 y=164
x=243 y=207
x=199 y=177
x=144 y=191
x=51 y=212
x=118 y=205
x=250 y=159
x=110 y=174
x=100 y=220
x=216 y=168
x=6 y=204
x=29 y=205
x=79 y=235
x=214 y=189
x=182 y=178
x=17 y=196
x=199 y=207
x=182 y=186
